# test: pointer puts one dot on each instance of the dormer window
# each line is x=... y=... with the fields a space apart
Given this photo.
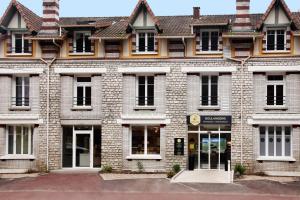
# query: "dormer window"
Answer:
x=145 y=42
x=82 y=43
x=20 y=45
x=209 y=40
x=276 y=40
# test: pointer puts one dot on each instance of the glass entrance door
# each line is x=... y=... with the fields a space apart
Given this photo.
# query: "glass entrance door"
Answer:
x=82 y=151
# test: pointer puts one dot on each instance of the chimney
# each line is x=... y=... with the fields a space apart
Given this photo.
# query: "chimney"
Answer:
x=196 y=14
x=50 y=17
x=242 y=21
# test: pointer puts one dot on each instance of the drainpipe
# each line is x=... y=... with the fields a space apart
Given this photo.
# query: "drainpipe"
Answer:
x=49 y=64
x=242 y=62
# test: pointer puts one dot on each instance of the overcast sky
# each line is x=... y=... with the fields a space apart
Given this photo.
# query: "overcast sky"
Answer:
x=159 y=7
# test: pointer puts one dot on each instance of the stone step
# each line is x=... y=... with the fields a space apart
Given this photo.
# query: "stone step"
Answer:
x=13 y=171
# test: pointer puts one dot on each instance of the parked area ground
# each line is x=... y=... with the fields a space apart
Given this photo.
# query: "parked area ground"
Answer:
x=92 y=186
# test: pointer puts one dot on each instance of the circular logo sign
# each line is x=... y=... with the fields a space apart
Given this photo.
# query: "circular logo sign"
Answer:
x=195 y=119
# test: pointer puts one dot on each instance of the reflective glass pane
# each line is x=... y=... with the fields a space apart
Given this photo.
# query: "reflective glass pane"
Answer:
x=80 y=96
x=262 y=143
x=151 y=42
x=138 y=140
x=205 y=41
x=214 y=41
x=10 y=140
x=288 y=142
x=88 y=96
x=153 y=140
x=278 y=141
x=83 y=150
x=142 y=42
x=215 y=150
x=271 y=141
x=25 y=140
x=18 y=140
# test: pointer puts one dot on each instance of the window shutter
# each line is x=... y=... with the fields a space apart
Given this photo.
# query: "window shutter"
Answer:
x=288 y=40
x=9 y=44
x=133 y=43
x=71 y=45
x=155 y=43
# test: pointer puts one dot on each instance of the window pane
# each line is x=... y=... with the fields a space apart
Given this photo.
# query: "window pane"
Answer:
x=280 y=40
x=204 y=90
x=18 y=43
x=142 y=42
x=288 y=143
x=279 y=95
x=153 y=140
x=87 y=44
x=262 y=144
x=26 y=88
x=205 y=41
x=278 y=141
x=79 y=42
x=275 y=78
x=32 y=130
x=138 y=140
x=270 y=95
x=271 y=141
x=150 y=95
x=271 y=40
x=88 y=96
x=141 y=90
x=84 y=79
x=214 y=90
x=25 y=140
x=10 y=140
x=26 y=46
x=214 y=41
x=18 y=139
x=80 y=96
x=151 y=42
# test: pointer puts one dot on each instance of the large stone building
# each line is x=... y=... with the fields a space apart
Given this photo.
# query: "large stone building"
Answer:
x=193 y=90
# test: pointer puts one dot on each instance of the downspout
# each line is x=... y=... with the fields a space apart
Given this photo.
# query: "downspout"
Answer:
x=49 y=64
x=242 y=62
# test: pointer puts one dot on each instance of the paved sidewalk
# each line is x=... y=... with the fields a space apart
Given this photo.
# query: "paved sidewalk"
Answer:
x=91 y=186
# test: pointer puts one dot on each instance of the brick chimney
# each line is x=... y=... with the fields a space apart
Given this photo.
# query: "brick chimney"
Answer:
x=50 y=17
x=242 y=21
x=196 y=14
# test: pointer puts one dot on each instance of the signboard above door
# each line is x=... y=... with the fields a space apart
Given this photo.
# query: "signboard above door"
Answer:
x=211 y=120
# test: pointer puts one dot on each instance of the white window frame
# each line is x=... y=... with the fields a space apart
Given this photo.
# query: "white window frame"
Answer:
x=275 y=39
x=209 y=90
x=209 y=40
x=146 y=90
x=275 y=143
x=145 y=141
x=146 y=42
x=84 y=85
x=30 y=135
x=13 y=44
x=86 y=33
x=275 y=84
x=14 y=90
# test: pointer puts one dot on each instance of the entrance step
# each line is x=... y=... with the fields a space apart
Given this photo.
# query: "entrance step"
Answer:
x=13 y=171
x=203 y=176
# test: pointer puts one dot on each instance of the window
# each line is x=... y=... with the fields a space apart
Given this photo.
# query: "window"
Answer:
x=276 y=40
x=21 y=92
x=20 y=44
x=19 y=140
x=82 y=43
x=83 y=91
x=209 y=91
x=145 y=140
x=145 y=91
x=275 y=91
x=275 y=141
x=209 y=41
x=145 y=42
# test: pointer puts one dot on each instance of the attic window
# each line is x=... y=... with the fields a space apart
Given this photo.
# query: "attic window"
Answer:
x=276 y=40
x=145 y=42
x=20 y=45
x=82 y=43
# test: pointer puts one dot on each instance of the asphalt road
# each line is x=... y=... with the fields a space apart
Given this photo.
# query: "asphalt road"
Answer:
x=92 y=187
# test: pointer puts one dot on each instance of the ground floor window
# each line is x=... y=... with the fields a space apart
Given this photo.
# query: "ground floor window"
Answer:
x=275 y=141
x=145 y=140
x=20 y=140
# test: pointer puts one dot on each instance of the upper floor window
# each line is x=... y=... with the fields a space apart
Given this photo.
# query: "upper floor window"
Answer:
x=209 y=91
x=21 y=88
x=20 y=45
x=19 y=140
x=276 y=40
x=145 y=42
x=82 y=43
x=209 y=40
x=145 y=90
x=83 y=91
x=275 y=90
x=275 y=141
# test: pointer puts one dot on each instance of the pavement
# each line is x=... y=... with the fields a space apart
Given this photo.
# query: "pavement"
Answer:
x=88 y=186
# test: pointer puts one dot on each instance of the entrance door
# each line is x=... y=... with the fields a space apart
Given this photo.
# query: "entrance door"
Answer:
x=82 y=151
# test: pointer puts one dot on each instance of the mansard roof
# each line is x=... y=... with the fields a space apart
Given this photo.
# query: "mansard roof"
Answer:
x=33 y=21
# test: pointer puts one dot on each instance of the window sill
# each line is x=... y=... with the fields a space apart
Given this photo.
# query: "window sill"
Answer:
x=145 y=53
x=19 y=54
x=209 y=108
x=276 y=52
x=144 y=157
x=278 y=159
x=81 y=54
x=77 y=108
x=209 y=53
x=144 y=108
x=20 y=108
x=17 y=157
x=276 y=107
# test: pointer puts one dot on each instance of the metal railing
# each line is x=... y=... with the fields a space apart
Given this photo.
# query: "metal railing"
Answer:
x=276 y=100
x=82 y=101
x=144 y=101
x=209 y=101
x=20 y=101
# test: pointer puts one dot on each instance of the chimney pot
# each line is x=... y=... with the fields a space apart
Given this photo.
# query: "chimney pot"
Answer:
x=196 y=14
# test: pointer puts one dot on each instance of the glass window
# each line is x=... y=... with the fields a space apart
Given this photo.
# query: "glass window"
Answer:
x=22 y=92
x=209 y=91
x=288 y=143
x=262 y=144
x=209 y=41
x=275 y=91
x=83 y=91
x=145 y=140
x=146 y=42
x=276 y=40
x=20 y=140
x=82 y=43
x=20 y=44
x=145 y=96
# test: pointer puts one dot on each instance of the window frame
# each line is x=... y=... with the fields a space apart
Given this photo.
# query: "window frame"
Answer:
x=146 y=90
x=276 y=83
x=275 y=39
x=13 y=43
x=209 y=90
x=14 y=92
x=84 y=85
x=86 y=33
x=145 y=141
x=283 y=145
x=146 y=42
x=30 y=140
x=209 y=41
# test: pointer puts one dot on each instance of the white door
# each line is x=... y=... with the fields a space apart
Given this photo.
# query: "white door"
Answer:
x=82 y=149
